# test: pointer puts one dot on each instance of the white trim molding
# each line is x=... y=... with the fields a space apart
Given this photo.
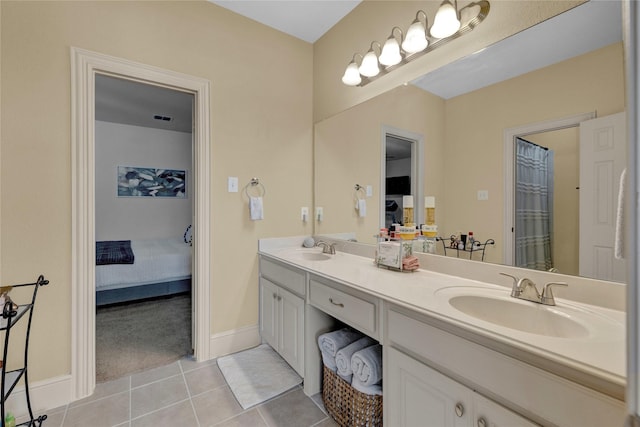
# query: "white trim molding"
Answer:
x=510 y=135
x=45 y=395
x=235 y=340
x=84 y=66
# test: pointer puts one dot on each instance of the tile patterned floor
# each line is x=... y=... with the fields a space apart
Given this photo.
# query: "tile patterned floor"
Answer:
x=186 y=394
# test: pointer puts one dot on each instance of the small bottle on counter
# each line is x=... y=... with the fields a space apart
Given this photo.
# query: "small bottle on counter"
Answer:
x=470 y=241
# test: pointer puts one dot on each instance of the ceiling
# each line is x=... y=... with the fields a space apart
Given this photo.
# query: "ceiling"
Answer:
x=564 y=36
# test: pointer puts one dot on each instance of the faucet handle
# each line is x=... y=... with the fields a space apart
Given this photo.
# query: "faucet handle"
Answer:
x=547 y=294
x=515 y=290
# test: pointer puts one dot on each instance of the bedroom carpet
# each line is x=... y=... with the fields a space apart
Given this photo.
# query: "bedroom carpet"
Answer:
x=141 y=335
x=257 y=375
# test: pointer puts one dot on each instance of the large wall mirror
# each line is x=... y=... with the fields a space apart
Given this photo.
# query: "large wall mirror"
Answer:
x=542 y=86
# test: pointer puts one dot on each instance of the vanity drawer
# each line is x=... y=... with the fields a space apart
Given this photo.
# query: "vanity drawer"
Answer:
x=352 y=309
x=287 y=277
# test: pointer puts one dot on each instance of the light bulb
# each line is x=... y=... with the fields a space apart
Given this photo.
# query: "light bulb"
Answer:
x=446 y=22
x=369 y=66
x=351 y=75
x=390 y=54
x=416 y=40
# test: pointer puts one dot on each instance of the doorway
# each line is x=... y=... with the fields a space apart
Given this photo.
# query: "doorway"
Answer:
x=84 y=67
x=144 y=204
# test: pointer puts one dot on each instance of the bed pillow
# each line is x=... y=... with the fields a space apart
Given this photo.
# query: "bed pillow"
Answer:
x=114 y=252
x=188 y=235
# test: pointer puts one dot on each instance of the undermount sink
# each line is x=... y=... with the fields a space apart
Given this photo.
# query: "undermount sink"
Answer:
x=498 y=308
x=531 y=317
x=310 y=255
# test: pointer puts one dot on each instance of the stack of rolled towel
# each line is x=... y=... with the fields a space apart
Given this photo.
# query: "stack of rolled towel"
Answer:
x=410 y=263
x=355 y=357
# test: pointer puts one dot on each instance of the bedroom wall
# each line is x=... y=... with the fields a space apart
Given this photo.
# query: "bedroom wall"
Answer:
x=125 y=218
x=261 y=125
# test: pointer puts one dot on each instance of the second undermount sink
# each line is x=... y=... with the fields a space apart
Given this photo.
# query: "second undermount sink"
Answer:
x=526 y=317
x=495 y=306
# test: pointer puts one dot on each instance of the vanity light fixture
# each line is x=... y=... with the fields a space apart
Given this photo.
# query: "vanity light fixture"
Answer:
x=448 y=24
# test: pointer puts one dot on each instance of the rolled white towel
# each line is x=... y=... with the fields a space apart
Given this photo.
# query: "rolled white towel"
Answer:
x=331 y=342
x=375 y=389
x=367 y=365
x=343 y=356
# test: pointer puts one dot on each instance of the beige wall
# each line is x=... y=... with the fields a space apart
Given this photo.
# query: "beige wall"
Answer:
x=374 y=19
x=261 y=126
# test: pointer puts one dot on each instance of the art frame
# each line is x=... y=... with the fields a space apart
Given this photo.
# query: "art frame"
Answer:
x=135 y=181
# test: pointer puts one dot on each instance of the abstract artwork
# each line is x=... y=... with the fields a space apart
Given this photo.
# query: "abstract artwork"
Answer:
x=151 y=182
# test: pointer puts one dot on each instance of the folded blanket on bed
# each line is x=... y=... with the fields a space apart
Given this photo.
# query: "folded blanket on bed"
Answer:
x=331 y=342
x=367 y=365
x=343 y=356
x=114 y=252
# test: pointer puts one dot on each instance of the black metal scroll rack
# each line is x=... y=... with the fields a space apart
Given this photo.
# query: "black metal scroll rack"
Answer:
x=9 y=379
x=479 y=247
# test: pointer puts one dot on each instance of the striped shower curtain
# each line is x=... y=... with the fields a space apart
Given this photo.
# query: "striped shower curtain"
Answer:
x=534 y=206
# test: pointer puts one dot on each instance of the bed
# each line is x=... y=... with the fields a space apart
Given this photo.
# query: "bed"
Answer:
x=141 y=269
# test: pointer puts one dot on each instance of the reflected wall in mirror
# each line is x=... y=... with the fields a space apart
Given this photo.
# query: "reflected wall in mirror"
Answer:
x=463 y=138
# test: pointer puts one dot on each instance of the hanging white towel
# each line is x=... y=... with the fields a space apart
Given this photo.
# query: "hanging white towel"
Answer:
x=255 y=208
x=361 y=206
x=619 y=240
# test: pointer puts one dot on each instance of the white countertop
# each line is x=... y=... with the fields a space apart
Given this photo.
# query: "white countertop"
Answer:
x=600 y=353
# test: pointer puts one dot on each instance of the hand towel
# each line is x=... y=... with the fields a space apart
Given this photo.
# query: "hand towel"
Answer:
x=375 y=389
x=618 y=250
x=255 y=208
x=367 y=365
x=343 y=356
x=410 y=263
x=331 y=342
x=361 y=205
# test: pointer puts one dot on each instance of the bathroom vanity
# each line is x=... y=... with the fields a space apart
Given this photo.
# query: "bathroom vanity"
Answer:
x=457 y=352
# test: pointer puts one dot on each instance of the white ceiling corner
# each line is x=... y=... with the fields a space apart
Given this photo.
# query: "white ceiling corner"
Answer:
x=307 y=20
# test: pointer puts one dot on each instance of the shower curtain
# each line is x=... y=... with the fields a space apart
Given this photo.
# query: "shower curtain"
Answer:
x=534 y=206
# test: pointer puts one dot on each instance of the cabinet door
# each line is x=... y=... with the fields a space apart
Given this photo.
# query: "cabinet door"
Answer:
x=417 y=396
x=291 y=338
x=490 y=414
x=269 y=312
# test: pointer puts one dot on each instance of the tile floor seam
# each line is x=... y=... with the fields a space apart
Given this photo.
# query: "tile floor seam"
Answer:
x=64 y=416
x=155 y=381
x=157 y=410
x=262 y=416
x=193 y=408
x=80 y=405
x=209 y=390
x=130 y=400
x=320 y=422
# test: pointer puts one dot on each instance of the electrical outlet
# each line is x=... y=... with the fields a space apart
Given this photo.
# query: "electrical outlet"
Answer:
x=232 y=184
x=319 y=214
x=483 y=194
x=304 y=214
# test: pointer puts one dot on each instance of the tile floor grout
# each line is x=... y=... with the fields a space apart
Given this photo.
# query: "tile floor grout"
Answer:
x=210 y=380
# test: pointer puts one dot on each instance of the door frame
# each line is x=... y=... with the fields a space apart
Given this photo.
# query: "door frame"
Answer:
x=509 y=161
x=417 y=170
x=84 y=66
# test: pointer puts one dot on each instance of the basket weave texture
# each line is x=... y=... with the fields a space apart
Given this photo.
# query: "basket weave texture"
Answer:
x=348 y=406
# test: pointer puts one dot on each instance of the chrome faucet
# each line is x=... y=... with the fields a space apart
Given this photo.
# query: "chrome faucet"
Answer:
x=326 y=247
x=525 y=289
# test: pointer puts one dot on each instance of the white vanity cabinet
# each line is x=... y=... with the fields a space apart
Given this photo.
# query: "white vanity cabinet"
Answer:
x=430 y=368
x=282 y=307
x=421 y=396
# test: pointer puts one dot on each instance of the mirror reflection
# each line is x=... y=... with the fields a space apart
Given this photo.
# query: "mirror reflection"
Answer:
x=467 y=116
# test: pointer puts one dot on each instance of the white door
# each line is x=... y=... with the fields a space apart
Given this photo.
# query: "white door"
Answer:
x=602 y=159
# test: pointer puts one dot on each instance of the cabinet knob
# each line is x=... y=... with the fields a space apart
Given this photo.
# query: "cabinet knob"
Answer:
x=459 y=409
x=279 y=298
x=275 y=296
x=482 y=422
x=339 y=304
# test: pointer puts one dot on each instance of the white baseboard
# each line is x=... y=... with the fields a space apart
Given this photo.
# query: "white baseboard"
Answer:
x=235 y=340
x=45 y=395
x=56 y=392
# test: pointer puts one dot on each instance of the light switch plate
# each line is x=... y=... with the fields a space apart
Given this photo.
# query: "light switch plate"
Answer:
x=319 y=214
x=304 y=214
x=232 y=184
x=369 y=191
x=483 y=194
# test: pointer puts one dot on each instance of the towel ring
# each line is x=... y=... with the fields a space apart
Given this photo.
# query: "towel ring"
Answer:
x=359 y=188
x=255 y=183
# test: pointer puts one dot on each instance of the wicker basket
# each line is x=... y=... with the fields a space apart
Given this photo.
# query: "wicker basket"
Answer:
x=348 y=406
